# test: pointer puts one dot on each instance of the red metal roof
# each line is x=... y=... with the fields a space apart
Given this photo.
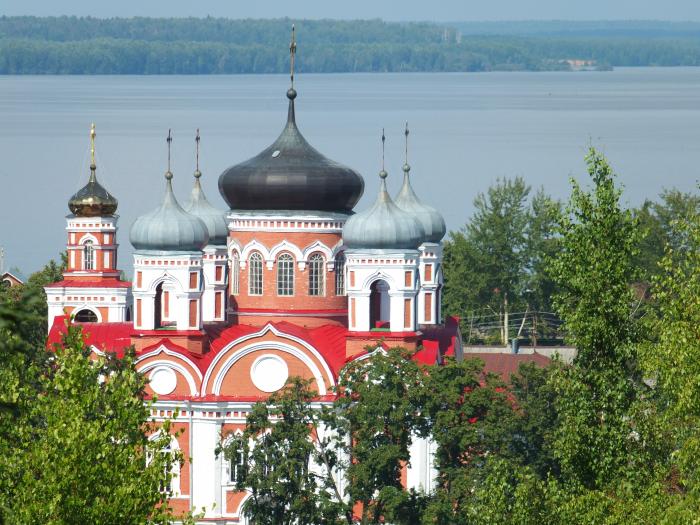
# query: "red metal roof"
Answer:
x=107 y=337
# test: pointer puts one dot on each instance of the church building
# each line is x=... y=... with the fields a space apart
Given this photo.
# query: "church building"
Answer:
x=225 y=306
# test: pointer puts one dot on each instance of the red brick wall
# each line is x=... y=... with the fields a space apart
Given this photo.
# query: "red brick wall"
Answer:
x=301 y=300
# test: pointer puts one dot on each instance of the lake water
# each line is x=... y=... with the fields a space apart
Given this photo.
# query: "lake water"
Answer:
x=466 y=131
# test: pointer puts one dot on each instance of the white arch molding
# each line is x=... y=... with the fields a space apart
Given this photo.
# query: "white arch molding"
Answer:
x=87 y=307
x=88 y=237
x=379 y=276
x=286 y=246
x=254 y=246
x=162 y=363
x=165 y=278
x=230 y=360
x=317 y=246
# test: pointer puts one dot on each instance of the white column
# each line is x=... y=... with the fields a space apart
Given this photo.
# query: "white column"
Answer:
x=206 y=467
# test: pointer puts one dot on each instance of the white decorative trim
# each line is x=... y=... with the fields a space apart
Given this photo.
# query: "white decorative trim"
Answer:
x=166 y=350
x=84 y=306
x=88 y=237
x=285 y=246
x=317 y=246
x=376 y=276
x=254 y=246
x=165 y=277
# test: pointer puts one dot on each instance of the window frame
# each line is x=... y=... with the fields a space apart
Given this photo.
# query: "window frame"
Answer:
x=255 y=274
x=88 y=255
x=340 y=275
x=285 y=275
x=317 y=275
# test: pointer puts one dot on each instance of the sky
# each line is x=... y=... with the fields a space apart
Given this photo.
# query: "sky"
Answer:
x=440 y=10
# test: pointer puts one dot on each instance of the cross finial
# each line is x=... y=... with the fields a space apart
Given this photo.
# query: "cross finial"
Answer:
x=196 y=140
x=92 y=145
x=292 y=54
x=169 y=140
x=406 y=167
x=383 y=173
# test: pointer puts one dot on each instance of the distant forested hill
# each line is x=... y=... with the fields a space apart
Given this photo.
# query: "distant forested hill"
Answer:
x=70 y=45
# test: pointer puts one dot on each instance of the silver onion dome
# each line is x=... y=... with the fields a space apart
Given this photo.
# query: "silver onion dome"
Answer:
x=431 y=219
x=199 y=206
x=384 y=226
x=169 y=227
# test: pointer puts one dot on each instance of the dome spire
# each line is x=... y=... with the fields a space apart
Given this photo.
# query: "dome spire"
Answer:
x=92 y=200
x=291 y=92
x=92 y=146
x=169 y=140
x=406 y=167
x=383 y=174
x=197 y=173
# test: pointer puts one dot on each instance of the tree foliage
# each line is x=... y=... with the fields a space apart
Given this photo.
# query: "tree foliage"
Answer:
x=497 y=263
x=74 y=445
x=292 y=457
x=72 y=45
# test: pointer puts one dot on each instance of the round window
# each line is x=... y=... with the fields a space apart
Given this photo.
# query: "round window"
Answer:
x=163 y=380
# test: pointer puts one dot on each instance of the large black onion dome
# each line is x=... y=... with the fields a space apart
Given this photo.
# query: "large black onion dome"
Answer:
x=92 y=200
x=291 y=175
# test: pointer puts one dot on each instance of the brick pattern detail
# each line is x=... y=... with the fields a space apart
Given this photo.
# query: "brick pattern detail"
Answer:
x=408 y=279
x=217 y=304
x=428 y=312
x=193 y=280
x=428 y=272
x=138 y=312
x=407 y=313
x=219 y=273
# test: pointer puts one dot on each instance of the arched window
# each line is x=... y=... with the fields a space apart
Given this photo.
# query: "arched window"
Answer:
x=235 y=270
x=255 y=274
x=285 y=274
x=316 y=275
x=86 y=316
x=340 y=274
x=88 y=256
x=379 y=305
x=236 y=463
x=170 y=448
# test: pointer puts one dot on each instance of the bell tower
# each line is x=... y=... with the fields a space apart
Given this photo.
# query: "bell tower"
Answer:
x=91 y=290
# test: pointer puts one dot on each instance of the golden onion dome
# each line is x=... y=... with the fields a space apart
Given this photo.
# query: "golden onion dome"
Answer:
x=92 y=200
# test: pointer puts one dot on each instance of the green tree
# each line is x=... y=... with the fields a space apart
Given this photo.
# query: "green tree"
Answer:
x=76 y=446
x=31 y=298
x=469 y=419
x=594 y=271
x=497 y=262
x=674 y=357
x=658 y=220
x=292 y=460
x=378 y=412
